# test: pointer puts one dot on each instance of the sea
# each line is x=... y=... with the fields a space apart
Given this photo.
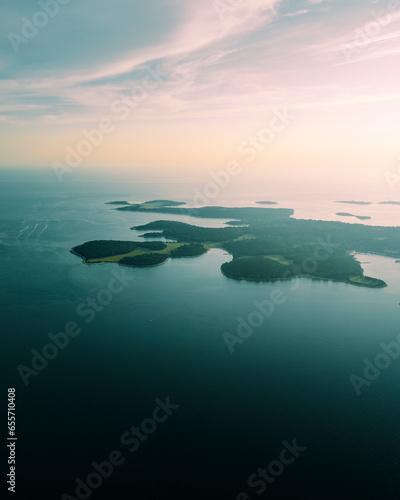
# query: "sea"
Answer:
x=177 y=382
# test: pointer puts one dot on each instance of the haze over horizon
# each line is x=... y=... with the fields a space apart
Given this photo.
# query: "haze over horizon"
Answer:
x=303 y=92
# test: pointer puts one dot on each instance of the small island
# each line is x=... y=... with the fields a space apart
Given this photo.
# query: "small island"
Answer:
x=356 y=202
x=147 y=205
x=360 y=217
x=266 y=244
x=389 y=202
x=266 y=202
x=135 y=253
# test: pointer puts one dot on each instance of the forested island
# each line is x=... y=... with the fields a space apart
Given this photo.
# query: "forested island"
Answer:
x=356 y=202
x=117 y=203
x=266 y=244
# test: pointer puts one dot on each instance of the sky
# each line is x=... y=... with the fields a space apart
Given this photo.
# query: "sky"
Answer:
x=302 y=91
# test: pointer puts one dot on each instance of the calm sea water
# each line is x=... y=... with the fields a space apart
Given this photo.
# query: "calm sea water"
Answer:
x=162 y=335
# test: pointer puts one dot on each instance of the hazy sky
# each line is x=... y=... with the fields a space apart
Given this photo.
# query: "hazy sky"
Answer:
x=305 y=89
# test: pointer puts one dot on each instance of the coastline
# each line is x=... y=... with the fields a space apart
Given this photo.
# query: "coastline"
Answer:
x=130 y=265
x=307 y=276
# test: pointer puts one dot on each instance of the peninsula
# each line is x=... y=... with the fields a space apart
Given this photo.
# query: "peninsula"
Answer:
x=360 y=217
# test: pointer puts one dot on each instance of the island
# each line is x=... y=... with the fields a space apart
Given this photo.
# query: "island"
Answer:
x=355 y=202
x=360 y=217
x=147 y=205
x=389 y=202
x=114 y=251
x=268 y=244
x=266 y=202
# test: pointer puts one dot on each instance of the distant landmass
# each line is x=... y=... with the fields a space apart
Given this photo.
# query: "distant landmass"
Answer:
x=345 y=214
x=356 y=202
x=370 y=202
x=147 y=204
x=163 y=203
x=269 y=245
x=267 y=202
x=240 y=213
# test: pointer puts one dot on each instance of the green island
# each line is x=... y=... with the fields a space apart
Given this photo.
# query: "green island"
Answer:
x=360 y=217
x=266 y=202
x=389 y=202
x=147 y=205
x=266 y=244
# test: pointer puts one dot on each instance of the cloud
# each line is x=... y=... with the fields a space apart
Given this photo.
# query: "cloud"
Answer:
x=205 y=24
x=298 y=13
x=197 y=41
x=237 y=61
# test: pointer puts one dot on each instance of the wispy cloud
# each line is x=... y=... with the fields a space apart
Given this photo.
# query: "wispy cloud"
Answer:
x=198 y=42
x=246 y=62
x=297 y=13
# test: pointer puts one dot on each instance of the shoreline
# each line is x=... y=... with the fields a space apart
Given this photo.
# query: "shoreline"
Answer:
x=130 y=265
x=306 y=276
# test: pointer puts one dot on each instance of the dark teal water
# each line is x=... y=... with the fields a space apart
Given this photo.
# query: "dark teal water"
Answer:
x=162 y=335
